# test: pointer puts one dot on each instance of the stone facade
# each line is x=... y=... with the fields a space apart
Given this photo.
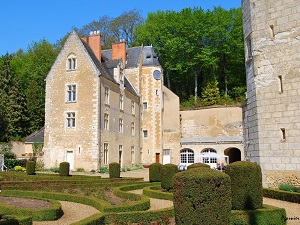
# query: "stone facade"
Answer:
x=270 y=115
x=106 y=106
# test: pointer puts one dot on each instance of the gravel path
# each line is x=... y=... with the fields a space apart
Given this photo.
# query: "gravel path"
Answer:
x=73 y=212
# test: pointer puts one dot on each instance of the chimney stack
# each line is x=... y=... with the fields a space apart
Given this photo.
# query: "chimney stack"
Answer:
x=119 y=51
x=94 y=41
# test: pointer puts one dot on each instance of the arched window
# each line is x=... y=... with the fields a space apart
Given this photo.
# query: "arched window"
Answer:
x=72 y=62
x=208 y=150
x=187 y=156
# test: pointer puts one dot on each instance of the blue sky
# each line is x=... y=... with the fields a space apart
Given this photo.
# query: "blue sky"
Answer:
x=23 y=22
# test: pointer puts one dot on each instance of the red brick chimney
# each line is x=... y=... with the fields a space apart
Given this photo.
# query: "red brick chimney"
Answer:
x=94 y=41
x=119 y=51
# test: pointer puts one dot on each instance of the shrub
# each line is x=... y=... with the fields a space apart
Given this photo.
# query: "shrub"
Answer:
x=282 y=195
x=19 y=169
x=80 y=170
x=246 y=185
x=197 y=165
x=54 y=169
x=288 y=187
x=64 y=169
x=166 y=174
x=103 y=170
x=114 y=170
x=202 y=196
x=154 y=172
x=30 y=167
x=39 y=166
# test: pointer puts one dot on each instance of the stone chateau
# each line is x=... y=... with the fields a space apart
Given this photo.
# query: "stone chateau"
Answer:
x=106 y=106
x=271 y=114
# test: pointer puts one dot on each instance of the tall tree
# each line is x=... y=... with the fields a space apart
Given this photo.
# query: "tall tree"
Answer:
x=17 y=120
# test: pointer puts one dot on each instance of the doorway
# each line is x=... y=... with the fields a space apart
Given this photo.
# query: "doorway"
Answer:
x=70 y=159
x=157 y=157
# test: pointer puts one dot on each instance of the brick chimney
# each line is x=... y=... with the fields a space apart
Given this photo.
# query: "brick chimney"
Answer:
x=94 y=41
x=119 y=51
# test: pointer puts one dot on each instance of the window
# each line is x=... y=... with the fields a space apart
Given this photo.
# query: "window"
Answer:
x=132 y=107
x=72 y=63
x=121 y=125
x=209 y=150
x=186 y=156
x=71 y=93
x=272 y=31
x=106 y=121
x=121 y=102
x=280 y=84
x=105 y=154
x=132 y=129
x=71 y=120
x=132 y=155
x=145 y=133
x=106 y=95
x=145 y=105
x=283 y=138
x=120 y=154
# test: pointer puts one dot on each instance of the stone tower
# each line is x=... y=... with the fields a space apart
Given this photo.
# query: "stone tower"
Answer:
x=271 y=115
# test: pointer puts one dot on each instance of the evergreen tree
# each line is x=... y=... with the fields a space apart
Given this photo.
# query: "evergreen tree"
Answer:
x=17 y=115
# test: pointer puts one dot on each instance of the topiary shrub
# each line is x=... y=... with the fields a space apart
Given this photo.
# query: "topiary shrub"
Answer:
x=166 y=175
x=114 y=169
x=246 y=185
x=197 y=165
x=154 y=172
x=64 y=169
x=202 y=196
x=30 y=167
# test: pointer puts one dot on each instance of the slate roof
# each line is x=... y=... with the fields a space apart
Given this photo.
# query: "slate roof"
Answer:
x=37 y=136
x=133 y=56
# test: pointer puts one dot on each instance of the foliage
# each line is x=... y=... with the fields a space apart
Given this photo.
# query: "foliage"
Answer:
x=103 y=170
x=37 y=147
x=246 y=185
x=114 y=170
x=288 y=187
x=282 y=195
x=202 y=196
x=210 y=94
x=11 y=163
x=64 y=169
x=166 y=174
x=30 y=167
x=154 y=172
x=80 y=170
x=54 y=169
x=19 y=169
x=196 y=46
x=197 y=165
x=39 y=166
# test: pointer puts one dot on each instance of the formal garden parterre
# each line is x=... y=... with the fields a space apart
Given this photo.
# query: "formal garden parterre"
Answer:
x=117 y=205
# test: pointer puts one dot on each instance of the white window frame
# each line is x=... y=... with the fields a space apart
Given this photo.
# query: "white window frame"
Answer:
x=121 y=125
x=106 y=95
x=132 y=129
x=121 y=102
x=106 y=121
x=70 y=120
x=105 y=153
x=187 y=156
x=71 y=62
x=71 y=93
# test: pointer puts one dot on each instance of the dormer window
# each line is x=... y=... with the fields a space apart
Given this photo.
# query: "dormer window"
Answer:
x=72 y=62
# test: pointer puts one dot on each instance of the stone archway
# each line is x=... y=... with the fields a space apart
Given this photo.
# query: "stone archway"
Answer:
x=234 y=154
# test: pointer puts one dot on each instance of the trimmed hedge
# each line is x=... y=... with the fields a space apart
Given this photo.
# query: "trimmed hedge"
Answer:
x=267 y=215
x=246 y=185
x=54 y=212
x=30 y=167
x=197 y=165
x=64 y=169
x=156 y=192
x=202 y=196
x=16 y=220
x=282 y=195
x=154 y=172
x=114 y=170
x=166 y=175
